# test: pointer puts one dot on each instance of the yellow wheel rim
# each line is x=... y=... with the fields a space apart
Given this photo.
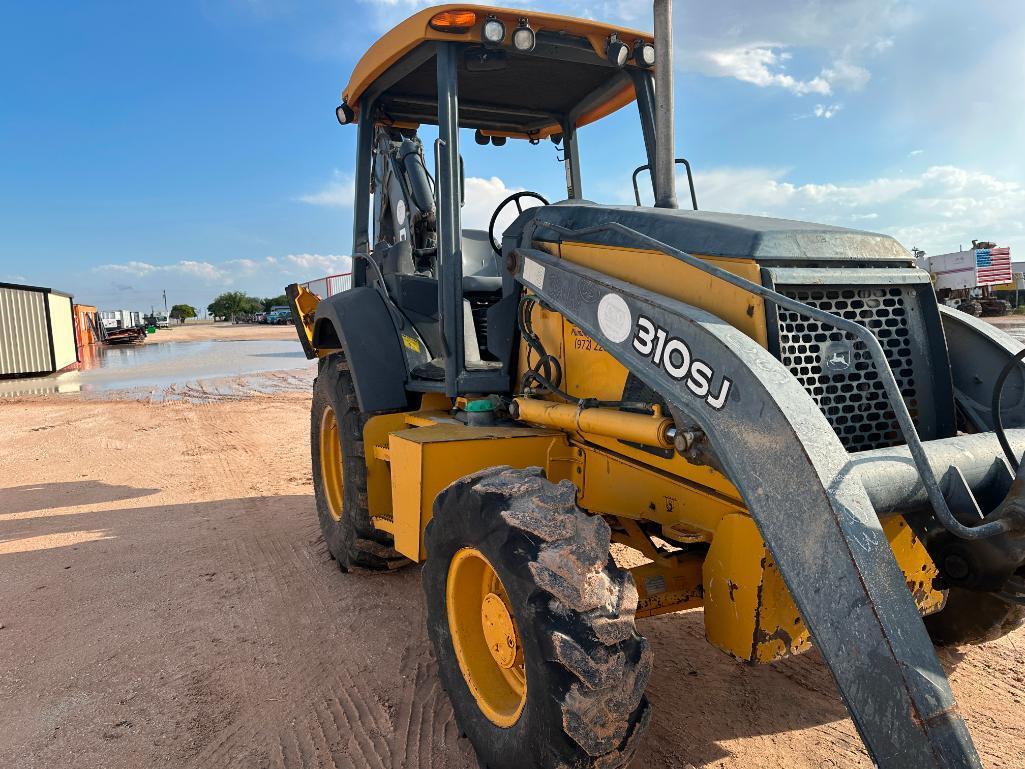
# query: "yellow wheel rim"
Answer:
x=331 y=463
x=485 y=637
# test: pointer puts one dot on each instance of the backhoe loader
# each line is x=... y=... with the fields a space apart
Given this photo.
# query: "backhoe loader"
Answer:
x=777 y=416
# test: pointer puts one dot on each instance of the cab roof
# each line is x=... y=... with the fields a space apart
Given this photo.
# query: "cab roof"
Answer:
x=509 y=93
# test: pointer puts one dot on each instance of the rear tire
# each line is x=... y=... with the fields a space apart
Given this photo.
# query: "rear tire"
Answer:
x=340 y=473
x=584 y=665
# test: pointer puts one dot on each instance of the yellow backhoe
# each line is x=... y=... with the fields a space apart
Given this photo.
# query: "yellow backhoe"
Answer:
x=768 y=412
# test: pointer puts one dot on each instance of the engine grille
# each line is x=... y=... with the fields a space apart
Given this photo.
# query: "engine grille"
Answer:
x=852 y=397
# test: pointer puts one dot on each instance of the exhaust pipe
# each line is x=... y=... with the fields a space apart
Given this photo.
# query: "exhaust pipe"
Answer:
x=665 y=150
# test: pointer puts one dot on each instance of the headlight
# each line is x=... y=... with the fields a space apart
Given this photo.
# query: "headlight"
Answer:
x=523 y=38
x=493 y=31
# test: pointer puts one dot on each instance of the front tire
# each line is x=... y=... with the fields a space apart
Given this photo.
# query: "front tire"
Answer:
x=532 y=625
x=340 y=473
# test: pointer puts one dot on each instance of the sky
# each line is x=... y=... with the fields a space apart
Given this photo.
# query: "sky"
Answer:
x=192 y=147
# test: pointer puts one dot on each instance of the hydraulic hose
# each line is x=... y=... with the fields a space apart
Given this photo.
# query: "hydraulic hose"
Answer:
x=998 y=420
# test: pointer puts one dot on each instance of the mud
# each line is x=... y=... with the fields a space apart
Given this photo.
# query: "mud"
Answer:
x=178 y=365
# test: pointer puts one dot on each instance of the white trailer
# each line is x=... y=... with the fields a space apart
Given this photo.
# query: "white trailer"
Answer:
x=120 y=318
x=971 y=269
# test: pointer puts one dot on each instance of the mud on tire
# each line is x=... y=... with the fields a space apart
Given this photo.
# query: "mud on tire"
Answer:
x=586 y=666
x=351 y=539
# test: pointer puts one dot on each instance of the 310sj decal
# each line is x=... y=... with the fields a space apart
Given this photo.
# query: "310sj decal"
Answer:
x=673 y=356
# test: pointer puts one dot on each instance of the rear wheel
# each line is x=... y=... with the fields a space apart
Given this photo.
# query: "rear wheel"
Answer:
x=340 y=473
x=532 y=625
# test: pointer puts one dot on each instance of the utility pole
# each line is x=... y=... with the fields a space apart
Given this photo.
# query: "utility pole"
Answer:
x=165 y=303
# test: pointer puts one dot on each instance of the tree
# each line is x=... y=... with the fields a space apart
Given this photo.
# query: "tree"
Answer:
x=277 y=301
x=181 y=312
x=232 y=303
x=251 y=305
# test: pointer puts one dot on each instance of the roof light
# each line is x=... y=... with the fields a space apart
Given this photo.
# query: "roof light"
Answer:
x=498 y=141
x=493 y=31
x=617 y=51
x=644 y=54
x=523 y=38
x=344 y=114
x=481 y=138
x=455 y=22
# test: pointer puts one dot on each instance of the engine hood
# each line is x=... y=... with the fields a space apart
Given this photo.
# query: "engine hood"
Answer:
x=706 y=233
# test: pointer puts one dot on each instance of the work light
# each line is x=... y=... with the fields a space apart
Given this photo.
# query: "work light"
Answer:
x=344 y=114
x=617 y=51
x=493 y=31
x=644 y=54
x=523 y=38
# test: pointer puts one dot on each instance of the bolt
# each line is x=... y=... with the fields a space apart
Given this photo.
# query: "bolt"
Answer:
x=684 y=440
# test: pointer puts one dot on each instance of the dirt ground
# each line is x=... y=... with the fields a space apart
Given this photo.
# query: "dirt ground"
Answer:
x=204 y=330
x=166 y=600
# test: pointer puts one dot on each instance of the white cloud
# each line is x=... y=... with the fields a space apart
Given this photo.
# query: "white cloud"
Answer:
x=826 y=111
x=935 y=210
x=338 y=193
x=915 y=153
x=205 y=270
x=762 y=66
x=482 y=198
x=315 y=265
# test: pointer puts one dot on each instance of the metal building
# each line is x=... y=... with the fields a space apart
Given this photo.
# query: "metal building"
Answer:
x=37 y=331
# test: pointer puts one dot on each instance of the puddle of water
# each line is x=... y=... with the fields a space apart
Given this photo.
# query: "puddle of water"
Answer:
x=180 y=368
x=1017 y=330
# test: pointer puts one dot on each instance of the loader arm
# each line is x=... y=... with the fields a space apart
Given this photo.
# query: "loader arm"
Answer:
x=772 y=440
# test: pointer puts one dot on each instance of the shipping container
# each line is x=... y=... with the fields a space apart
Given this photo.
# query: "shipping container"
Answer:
x=330 y=285
x=84 y=333
x=37 y=331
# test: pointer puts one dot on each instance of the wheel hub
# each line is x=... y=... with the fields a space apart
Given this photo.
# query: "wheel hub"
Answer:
x=499 y=631
x=485 y=638
x=331 y=473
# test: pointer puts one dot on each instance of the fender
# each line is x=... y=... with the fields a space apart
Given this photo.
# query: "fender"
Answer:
x=357 y=322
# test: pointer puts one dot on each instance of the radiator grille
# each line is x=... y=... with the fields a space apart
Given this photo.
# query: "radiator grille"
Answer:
x=851 y=397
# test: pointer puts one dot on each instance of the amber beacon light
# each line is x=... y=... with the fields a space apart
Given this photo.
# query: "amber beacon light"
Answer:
x=455 y=22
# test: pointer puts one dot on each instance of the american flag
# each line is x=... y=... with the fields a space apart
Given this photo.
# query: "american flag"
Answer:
x=993 y=265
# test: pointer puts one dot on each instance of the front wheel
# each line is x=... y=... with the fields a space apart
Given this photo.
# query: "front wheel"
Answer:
x=340 y=473
x=532 y=625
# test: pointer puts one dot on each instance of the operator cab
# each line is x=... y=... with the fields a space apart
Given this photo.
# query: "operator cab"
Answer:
x=506 y=75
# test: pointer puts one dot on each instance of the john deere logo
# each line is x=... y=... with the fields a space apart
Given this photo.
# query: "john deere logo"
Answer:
x=837 y=356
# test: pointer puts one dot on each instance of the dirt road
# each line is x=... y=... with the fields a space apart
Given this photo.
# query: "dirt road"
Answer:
x=203 y=331
x=166 y=600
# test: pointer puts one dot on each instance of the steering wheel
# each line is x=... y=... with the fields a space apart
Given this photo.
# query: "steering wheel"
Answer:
x=514 y=198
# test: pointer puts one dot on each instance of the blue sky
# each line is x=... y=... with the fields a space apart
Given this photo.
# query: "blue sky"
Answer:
x=192 y=146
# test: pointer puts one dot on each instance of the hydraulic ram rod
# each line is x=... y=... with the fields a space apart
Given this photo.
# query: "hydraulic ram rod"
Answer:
x=645 y=429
